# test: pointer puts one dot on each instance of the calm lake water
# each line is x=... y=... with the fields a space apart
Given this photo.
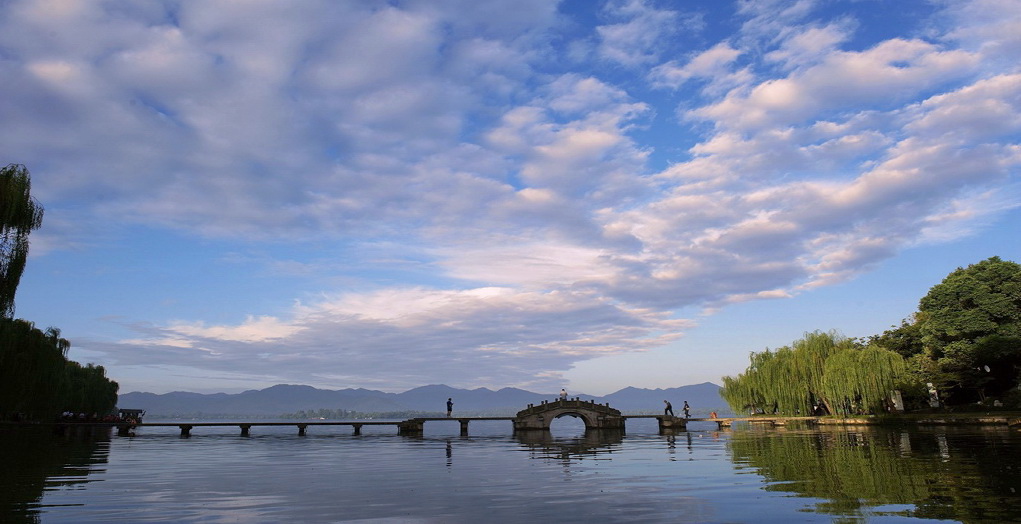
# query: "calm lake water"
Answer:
x=746 y=474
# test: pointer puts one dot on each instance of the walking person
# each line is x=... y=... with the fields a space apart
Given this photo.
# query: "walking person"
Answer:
x=686 y=407
x=450 y=406
x=669 y=410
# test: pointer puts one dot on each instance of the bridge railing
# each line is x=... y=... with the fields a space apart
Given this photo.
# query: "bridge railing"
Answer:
x=574 y=403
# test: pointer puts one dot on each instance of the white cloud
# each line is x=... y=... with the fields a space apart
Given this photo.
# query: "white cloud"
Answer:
x=990 y=27
x=639 y=35
x=810 y=45
x=771 y=20
x=985 y=110
x=890 y=72
x=714 y=64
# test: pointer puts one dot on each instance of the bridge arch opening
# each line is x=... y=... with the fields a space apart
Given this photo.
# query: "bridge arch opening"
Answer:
x=568 y=425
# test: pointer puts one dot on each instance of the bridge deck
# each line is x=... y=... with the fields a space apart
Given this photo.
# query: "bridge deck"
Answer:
x=415 y=426
x=464 y=418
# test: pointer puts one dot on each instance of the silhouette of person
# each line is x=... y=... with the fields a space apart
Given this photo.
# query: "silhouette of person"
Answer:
x=450 y=406
x=563 y=394
x=686 y=408
x=669 y=410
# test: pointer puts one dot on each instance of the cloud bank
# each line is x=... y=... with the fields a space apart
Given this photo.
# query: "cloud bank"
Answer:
x=563 y=188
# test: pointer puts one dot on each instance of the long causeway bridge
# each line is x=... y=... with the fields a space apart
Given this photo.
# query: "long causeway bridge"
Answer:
x=534 y=418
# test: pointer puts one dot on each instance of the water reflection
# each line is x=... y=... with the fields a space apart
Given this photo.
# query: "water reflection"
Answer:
x=493 y=475
x=37 y=460
x=671 y=440
x=963 y=474
x=591 y=443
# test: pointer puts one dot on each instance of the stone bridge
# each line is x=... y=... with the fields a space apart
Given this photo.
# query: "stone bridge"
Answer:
x=595 y=416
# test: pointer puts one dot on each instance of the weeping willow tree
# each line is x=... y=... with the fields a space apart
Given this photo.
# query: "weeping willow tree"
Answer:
x=792 y=380
x=862 y=380
x=20 y=214
x=37 y=380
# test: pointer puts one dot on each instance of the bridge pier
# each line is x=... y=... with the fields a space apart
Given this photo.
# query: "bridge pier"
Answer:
x=464 y=426
x=301 y=429
x=358 y=428
x=185 y=430
x=412 y=426
x=672 y=424
x=245 y=429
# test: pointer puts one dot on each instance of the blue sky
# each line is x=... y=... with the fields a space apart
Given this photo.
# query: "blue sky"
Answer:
x=488 y=194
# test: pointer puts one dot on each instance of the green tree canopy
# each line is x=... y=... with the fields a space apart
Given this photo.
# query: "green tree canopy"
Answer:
x=20 y=214
x=971 y=321
x=821 y=371
x=905 y=340
x=36 y=379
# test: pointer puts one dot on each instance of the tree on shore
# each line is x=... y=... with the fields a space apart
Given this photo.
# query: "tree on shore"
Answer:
x=970 y=325
x=821 y=373
x=37 y=381
x=964 y=340
x=20 y=214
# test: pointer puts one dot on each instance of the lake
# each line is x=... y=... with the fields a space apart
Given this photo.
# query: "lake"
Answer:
x=744 y=474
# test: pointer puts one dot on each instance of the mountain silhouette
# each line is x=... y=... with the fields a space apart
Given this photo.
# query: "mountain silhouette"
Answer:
x=289 y=398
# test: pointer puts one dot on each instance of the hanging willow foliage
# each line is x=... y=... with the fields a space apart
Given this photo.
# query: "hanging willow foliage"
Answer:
x=19 y=215
x=794 y=380
x=861 y=380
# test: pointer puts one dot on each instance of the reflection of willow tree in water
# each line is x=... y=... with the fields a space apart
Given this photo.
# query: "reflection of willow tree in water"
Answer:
x=35 y=459
x=942 y=475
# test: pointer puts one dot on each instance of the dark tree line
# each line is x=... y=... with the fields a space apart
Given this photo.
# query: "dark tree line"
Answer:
x=37 y=381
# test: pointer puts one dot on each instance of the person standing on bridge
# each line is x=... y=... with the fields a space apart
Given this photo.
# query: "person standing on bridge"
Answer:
x=563 y=394
x=669 y=410
x=687 y=414
x=450 y=406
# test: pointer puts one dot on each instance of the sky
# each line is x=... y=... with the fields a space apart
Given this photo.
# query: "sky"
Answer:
x=522 y=193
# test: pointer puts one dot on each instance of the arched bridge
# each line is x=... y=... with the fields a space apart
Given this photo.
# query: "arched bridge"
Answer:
x=595 y=416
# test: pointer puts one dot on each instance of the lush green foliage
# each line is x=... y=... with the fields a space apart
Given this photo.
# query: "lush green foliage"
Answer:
x=905 y=340
x=36 y=379
x=38 y=382
x=862 y=379
x=965 y=340
x=822 y=372
x=19 y=215
x=970 y=322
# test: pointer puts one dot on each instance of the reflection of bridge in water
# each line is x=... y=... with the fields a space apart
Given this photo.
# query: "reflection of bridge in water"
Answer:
x=593 y=442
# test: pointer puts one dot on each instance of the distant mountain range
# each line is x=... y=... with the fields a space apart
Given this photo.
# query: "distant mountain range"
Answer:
x=285 y=398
